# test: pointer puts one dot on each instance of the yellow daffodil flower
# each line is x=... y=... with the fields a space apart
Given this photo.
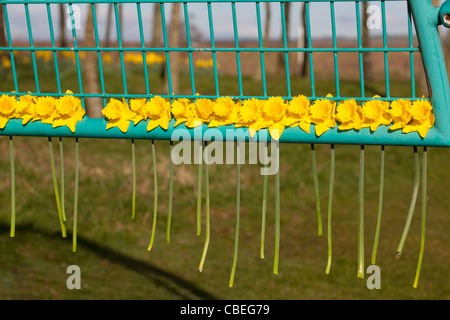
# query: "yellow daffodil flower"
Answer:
x=422 y=118
x=224 y=112
x=182 y=111
x=45 y=109
x=118 y=114
x=298 y=113
x=323 y=115
x=203 y=111
x=249 y=115
x=137 y=106
x=350 y=115
x=157 y=110
x=273 y=112
x=69 y=111
x=7 y=109
x=376 y=113
x=25 y=108
x=400 y=112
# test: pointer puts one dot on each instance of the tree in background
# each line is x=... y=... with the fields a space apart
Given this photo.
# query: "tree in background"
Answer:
x=2 y=32
x=302 y=42
x=62 y=26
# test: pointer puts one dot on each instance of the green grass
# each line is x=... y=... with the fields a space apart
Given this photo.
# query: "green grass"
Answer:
x=112 y=248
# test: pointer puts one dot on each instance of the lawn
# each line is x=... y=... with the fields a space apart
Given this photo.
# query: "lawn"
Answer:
x=112 y=248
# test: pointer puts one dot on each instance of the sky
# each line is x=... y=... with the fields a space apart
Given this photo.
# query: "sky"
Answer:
x=345 y=13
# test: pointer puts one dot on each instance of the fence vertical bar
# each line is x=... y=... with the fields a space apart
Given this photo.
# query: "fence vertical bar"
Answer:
x=236 y=44
x=99 y=55
x=360 y=55
x=164 y=29
x=285 y=45
x=386 y=62
x=11 y=52
x=32 y=47
x=119 y=41
x=213 y=46
x=188 y=40
x=77 y=56
x=261 y=47
x=335 y=54
x=311 y=64
x=142 y=40
x=411 y=54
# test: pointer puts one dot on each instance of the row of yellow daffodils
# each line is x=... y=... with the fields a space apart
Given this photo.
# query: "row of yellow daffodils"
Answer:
x=273 y=113
x=65 y=111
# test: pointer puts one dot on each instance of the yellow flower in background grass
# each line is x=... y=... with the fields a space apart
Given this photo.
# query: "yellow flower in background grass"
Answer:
x=182 y=111
x=273 y=112
x=25 y=108
x=45 y=109
x=323 y=115
x=69 y=111
x=376 y=113
x=298 y=113
x=350 y=115
x=7 y=109
x=118 y=114
x=249 y=115
x=157 y=110
x=400 y=112
x=137 y=106
x=422 y=118
x=203 y=111
x=6 y=62
x=224 y=112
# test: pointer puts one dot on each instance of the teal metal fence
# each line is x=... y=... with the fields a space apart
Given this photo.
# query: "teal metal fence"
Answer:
x=422 y=20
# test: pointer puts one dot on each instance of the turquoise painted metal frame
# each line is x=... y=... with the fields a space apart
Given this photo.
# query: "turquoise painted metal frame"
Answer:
x=426 y=19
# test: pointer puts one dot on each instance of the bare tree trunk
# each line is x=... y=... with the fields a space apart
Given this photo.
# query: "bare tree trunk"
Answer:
x=94 y=104
x=302 y=41
x=174 y=40
x=367 y=59
x=266 y=39
x=157 y=33
x=62 y=26
x=109 y=16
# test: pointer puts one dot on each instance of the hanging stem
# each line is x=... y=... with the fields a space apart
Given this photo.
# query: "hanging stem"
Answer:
x=55 y=185
x=155 y=202
x=424 y=213
x=277 y=222
x=238 y=203
x=380 y=208
x=133 y=160
x=207 y=233
x=264 y=206
x=412 y=204
x=360 y=273
x=199 y=189
x=169 y=215
x=13 y=188
x=61 y=157
x=75 y=202
x=316 y=190
x=330 y=200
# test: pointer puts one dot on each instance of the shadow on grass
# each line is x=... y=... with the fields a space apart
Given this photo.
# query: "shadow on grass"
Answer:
x=169 y=281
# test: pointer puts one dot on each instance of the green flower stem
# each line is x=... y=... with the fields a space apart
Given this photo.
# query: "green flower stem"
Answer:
x=61 y=157
x=13 y=188
x=380 y=208
x=360 y=273
x=277 y=222
x=238 y=203
x=316 y=190
x=330 y=200
x=133 y=160
x=169 y=215
x=207 y=232
x=75 y=201
x=412 y=203
x=264 y=207
x=55 y=185
x=424 y=214
x=155 y=202
x=199 y=190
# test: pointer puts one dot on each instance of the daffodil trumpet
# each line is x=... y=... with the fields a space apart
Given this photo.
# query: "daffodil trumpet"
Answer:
x=169 y=214
x=423 y=217
x=330 y=203
x=133 y=163
x=238 y=203
x=207 y=222
x=412 y=204
x=316 y=190
x=75 y=199
x=380 y=208
x=13 y=188
x=155 y=201
x=55 y=186
x=360 y=273
x=264 y=209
